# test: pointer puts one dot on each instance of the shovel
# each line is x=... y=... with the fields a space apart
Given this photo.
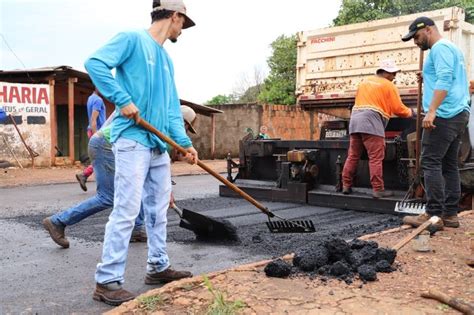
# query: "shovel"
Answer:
x=206 y=227
x=283 y=226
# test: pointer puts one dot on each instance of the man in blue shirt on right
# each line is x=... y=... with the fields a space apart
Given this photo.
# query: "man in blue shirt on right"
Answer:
x=446 y=104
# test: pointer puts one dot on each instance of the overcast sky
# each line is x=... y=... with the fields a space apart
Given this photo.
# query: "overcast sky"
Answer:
x=230 y=40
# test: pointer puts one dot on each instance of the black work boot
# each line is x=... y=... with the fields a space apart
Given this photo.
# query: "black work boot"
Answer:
x=56 y=232
x=382 y=194
x=347 y=190
x=451 y=221
x=166 y=276
x=112 y=294
x=82 y=181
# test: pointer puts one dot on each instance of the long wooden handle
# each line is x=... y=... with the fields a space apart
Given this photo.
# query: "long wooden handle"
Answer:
x=455 y=303
x=418 y=119
x=226 y=182
x=410 y=236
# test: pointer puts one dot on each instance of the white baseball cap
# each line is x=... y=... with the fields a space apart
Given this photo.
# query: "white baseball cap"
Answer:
x=189 y=115
x=174 y=5
x=388 y=65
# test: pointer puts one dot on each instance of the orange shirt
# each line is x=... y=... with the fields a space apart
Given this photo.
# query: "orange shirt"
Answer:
x=380 y=95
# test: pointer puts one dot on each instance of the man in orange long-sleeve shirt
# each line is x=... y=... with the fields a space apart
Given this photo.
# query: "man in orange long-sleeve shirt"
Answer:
x=376 y=101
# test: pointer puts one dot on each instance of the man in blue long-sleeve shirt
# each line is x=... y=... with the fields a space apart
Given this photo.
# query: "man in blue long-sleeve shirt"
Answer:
x=143 y=85
x=446 y=104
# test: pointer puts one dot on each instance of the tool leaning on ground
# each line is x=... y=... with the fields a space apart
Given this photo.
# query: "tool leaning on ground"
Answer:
x=283 y=226
x=456 y=303
x=406 y=205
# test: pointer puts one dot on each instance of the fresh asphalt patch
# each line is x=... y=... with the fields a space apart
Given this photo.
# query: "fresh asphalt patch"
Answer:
x=254 y=236
x=40 y=277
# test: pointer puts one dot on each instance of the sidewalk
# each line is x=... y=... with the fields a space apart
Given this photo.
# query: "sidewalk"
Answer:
x=11 y=177
x=441 y=269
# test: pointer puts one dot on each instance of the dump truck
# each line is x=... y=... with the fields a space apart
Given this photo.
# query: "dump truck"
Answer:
x=331 y=62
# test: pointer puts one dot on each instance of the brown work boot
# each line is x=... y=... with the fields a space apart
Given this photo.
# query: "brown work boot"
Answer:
x=347 y=190
x=382 y=194
x=451 y=221
x=417 y=220
x=112 y=294
x=82 y=181
x=166 y=276
x=56 y=232
x=138 y=236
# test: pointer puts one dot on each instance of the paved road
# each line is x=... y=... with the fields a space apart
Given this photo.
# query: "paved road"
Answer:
x=38 y=277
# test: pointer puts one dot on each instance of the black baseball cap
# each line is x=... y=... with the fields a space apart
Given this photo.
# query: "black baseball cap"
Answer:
x=417 y=25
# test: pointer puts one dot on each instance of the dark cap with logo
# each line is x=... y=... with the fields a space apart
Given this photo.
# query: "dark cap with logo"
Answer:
x=417 y=25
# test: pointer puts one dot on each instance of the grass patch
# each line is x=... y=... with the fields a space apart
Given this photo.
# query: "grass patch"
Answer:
x=220 y=305
x=151 y=303
x=444 y=307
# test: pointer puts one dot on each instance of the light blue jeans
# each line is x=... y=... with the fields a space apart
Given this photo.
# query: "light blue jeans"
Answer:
x=102 y=157
x=142 y=176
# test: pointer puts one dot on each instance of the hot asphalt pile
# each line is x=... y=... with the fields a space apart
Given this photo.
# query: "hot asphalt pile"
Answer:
x=339 y=259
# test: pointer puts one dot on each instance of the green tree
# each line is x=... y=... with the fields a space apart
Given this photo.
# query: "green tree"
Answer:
x=354 y=11
x=279 y=86
x=221 y=99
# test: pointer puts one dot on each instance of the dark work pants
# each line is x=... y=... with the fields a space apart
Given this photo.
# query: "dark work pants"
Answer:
x=439 y=161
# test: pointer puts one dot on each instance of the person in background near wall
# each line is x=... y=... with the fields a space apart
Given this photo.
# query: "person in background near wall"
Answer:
x=377 y=100
x=446 y=104
x=143 y=85
x=263 y=133
x=189 y=118
x=96 y=115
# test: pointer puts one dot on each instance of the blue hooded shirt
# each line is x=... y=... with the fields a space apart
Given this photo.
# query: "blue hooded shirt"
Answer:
x=445 y=69
x=145 y=76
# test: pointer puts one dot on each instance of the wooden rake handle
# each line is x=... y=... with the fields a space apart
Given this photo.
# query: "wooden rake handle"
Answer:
x=417 y=231
x=418 y=118
x=144 y=124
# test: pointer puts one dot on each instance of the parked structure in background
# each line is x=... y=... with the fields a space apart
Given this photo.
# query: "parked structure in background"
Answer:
x=49 y=106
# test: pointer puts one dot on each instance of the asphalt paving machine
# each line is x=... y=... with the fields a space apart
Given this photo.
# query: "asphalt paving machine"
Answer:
x=309 y=172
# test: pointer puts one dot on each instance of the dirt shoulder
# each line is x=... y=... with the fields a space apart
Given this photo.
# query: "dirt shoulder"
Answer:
x=11 y=177
x=443 y=269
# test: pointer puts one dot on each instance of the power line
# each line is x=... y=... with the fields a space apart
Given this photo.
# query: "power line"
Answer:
x=8 y=46
x=11 y=50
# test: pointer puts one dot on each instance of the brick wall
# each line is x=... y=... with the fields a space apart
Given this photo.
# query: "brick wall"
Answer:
x=290 y=122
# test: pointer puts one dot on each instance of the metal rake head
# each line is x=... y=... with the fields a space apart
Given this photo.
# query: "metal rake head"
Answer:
x=410 y=207
x=286 y=226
